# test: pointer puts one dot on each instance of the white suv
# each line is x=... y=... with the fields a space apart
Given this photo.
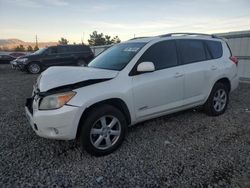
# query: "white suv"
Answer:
x=129 y=83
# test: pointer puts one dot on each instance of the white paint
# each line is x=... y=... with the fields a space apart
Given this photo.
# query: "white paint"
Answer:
x=147 y=95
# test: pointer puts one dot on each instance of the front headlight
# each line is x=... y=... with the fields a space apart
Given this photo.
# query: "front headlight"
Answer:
x=56 y=101
x=22 y=60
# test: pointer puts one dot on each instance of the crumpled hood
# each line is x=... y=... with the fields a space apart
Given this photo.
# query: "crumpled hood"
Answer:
x=55 y=77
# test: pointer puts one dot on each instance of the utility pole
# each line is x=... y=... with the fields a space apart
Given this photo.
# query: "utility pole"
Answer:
x=36 y=41
x=83 y=38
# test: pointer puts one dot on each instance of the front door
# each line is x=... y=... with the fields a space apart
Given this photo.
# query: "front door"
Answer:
x=161 y=90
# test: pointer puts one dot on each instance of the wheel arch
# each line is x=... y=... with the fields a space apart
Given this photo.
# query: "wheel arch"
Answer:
x=116 y=102
x=224 y=81
x=34 y=61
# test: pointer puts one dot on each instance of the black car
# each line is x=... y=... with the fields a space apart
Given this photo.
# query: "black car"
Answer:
x=61 y=55
x=6 y=59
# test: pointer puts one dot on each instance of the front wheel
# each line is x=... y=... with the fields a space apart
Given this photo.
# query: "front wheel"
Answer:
x=34 y=68
x=103 y=131
x=218 y=100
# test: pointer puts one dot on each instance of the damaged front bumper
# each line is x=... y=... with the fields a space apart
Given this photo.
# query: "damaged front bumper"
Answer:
x=60 y=124
x=15 y=65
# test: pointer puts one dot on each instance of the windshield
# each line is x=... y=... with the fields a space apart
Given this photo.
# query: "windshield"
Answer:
x=116 y=57
x=40 y=51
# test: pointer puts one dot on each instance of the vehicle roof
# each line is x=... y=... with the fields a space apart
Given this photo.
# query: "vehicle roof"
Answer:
x=68 y=45
x=188 y=36
x=142 y=39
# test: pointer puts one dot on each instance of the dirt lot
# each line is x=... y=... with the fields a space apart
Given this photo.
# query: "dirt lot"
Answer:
x=188 y=149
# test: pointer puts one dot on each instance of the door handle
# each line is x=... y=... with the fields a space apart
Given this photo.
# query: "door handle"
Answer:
x=178 y=75
x=213 y=67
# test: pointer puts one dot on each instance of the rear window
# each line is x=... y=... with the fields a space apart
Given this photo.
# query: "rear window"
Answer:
x=192 y=51
x=215 y=48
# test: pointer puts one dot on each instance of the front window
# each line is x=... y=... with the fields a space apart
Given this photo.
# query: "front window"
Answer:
x=117 y=57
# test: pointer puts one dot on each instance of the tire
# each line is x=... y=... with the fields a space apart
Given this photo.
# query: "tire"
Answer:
x=103 y=131
x=217 y=101
x=34 y=68
x=81 y=63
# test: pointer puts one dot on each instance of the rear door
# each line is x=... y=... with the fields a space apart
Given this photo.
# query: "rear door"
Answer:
x=58 y=56
x=51 y=58
x=85 y=53
x=199 y=69
x=161 y=90
x=66 y=55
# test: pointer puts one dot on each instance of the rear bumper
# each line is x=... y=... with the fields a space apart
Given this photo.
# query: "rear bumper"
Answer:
x=234 y=83
x=60 y=124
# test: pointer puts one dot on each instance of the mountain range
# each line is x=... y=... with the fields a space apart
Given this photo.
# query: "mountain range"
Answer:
x=12 y=43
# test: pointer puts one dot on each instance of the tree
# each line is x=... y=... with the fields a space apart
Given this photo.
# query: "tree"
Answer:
x=63 y=41
x=116 y=40
x=96 y=39
x=99 y=39
x=36 y=48
x=20 y=48
x=108 y=40
x=29 y=48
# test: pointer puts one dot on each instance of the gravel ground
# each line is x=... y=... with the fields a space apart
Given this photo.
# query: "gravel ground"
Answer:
x=188 y=149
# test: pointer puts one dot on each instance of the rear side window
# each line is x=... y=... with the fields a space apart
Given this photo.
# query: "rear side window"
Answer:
x=192 y=51
x=79 y=48
x=53 y=50
x=62 y=49
x=84 y=48
x=162 y=54
x=215 y=48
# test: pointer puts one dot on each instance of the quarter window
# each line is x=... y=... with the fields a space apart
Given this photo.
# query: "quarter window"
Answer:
x=215 y=48
x=162 y=54
x=192 y=51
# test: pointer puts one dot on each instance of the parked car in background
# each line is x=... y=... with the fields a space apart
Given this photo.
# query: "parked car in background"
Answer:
x=5 y=59
x=17 y=54
x=61 y=55
x=129 y=83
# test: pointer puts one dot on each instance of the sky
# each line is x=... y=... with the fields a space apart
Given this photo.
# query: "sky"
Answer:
x=76 y=19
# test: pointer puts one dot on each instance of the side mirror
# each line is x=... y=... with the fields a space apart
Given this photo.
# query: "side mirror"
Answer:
x=146 y=67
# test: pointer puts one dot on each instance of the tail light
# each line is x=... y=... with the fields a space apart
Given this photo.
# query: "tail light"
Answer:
x=234 y=59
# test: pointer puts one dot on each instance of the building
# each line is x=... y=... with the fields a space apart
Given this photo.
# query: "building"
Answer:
x=239 y=43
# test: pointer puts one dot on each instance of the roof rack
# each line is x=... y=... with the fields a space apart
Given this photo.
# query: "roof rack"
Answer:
x=200 y=34
x=138 y=38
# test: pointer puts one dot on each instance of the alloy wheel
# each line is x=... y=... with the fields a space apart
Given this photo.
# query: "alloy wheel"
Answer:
x=220 y=100
x=34 y=68
x=105 y=132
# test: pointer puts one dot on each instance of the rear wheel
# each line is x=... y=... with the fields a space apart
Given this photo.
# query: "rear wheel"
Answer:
x=103 y=131
x=218 y=100
x=34 y=68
